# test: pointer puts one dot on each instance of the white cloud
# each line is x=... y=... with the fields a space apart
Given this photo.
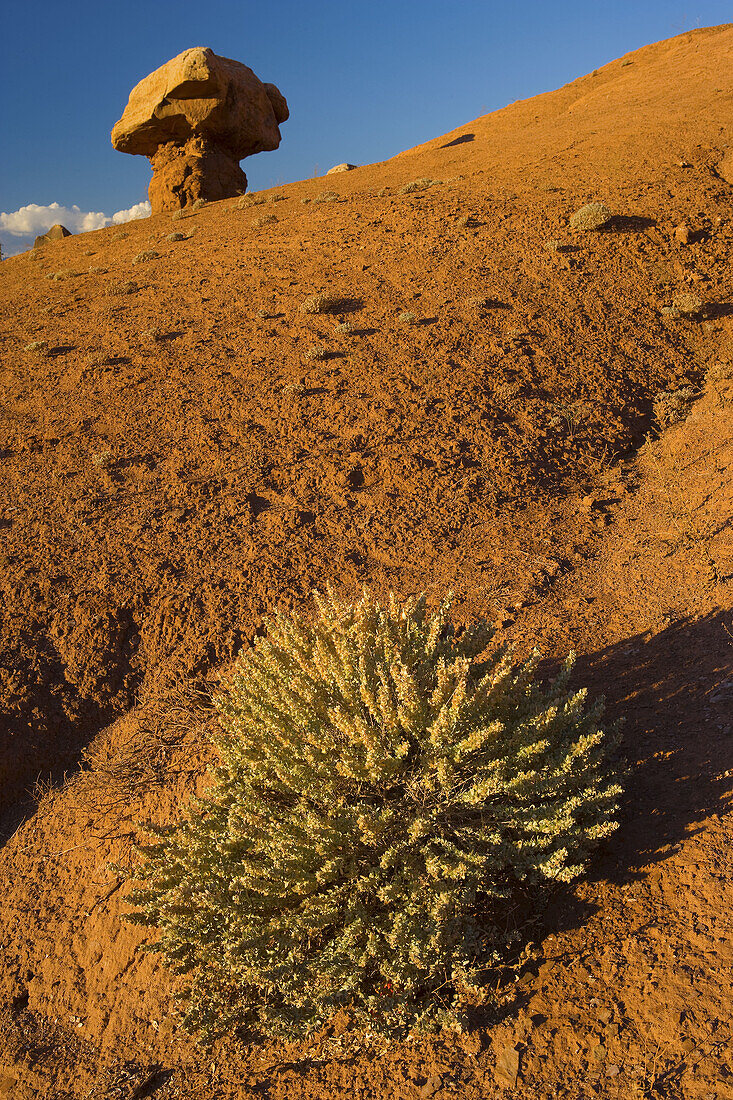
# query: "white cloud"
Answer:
x=30 y=221
x=139 y=210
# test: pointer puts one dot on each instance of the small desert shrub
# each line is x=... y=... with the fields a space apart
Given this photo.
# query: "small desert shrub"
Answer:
x=266 y=219
x=326 y=196
x=98 y=270
x=383 y=783
x=345 y=329
x=673 y=406
x=325 y=303
x=318 y=351
x=143 y=257
x=421 y=184
x=199 y=204
x=178 y=214
x=176 y=237
x=128 y=287
x=251 y=200
x=687 y=303
x=102 y=458
x=593 y=216
x=40 y=346
x=406 y=318
x=305 y=201
x=278 y=198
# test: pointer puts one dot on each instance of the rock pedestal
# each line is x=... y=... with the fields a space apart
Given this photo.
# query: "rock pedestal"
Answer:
x=195 y=118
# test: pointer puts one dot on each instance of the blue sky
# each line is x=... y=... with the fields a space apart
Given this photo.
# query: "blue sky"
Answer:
x=364 y=78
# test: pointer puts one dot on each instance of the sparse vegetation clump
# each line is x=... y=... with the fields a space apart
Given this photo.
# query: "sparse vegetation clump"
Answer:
x=385 y=781
x=252 y=199
x=318 y=351
x=593 y=216
x=265 y=219
x=324 y=303
x=103 y=458
x=144 y=257
x=407 y=318
x=687 y=303
x=127 y=287
x=673 y=406
x=421 y=184
x=326 y=196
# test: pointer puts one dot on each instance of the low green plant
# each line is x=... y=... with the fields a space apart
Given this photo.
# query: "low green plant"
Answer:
x=251 y=199
x=318 y=351
x=326 y=303
x=265 y=219
x=384 y=782
x=421 y=184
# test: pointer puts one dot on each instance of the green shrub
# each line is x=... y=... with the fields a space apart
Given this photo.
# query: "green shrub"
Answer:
x=421 y=184
x=327 y=303
x=383 y=783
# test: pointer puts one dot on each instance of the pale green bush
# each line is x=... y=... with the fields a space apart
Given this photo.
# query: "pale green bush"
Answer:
x=383 y=784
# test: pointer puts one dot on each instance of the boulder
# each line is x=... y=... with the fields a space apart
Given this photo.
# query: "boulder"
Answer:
x=55 y=233
x=340 y=168
x=195 y=118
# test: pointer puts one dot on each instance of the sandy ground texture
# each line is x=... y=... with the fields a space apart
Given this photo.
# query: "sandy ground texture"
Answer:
x=493 y=402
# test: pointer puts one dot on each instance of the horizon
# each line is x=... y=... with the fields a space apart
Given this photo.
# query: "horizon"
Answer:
x=480 y=59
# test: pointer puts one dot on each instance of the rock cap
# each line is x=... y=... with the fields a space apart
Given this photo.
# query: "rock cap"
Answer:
x=201 y=95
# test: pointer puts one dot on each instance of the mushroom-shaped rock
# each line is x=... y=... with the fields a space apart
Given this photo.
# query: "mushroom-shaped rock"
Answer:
x=55 y=233
x=195 y=118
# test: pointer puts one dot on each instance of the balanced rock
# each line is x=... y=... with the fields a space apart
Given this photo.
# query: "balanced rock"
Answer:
x=195 y=118
x=55 y=233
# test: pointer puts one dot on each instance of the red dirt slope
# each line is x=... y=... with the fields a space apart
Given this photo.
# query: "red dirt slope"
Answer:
x=176 y=464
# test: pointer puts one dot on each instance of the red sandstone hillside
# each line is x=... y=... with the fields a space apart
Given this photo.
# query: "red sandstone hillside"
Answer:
x=175 y=465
